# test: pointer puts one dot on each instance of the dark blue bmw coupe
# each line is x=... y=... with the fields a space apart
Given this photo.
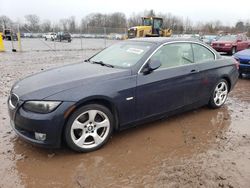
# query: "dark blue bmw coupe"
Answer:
x=126 y=84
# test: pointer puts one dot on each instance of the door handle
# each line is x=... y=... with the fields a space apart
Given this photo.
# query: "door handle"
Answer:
x=194 y=71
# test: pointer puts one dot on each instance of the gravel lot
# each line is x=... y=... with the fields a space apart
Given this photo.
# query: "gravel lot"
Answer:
x=39 y=44
x=201 y=148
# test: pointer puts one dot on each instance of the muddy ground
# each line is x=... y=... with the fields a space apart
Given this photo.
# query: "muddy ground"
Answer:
x=201 y=148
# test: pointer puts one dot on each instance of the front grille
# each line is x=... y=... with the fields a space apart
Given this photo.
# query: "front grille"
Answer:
x=14 y=100
x=132 y=33
x=244 y=61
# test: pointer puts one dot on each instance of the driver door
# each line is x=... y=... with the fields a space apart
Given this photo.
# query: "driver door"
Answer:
x=166 y=88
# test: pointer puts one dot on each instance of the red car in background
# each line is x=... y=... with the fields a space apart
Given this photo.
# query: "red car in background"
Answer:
x=231 y=43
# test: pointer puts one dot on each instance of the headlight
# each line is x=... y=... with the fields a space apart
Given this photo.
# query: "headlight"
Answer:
x=228 y=44
x=42 y=107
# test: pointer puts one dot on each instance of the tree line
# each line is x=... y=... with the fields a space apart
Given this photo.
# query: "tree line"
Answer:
x=178 y=24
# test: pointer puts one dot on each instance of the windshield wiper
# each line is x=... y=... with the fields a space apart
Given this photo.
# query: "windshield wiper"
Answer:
x=103 y=64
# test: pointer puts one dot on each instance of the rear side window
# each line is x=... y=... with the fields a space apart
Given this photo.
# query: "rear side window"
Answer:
x=202 y=54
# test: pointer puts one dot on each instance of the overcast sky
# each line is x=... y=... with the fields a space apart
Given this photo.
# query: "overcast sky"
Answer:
x=196 y=10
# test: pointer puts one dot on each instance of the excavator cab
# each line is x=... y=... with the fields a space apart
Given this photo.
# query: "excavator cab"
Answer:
x=154 y=22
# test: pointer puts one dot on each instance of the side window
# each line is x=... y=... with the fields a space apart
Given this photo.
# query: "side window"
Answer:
x=239 y=37
x=174 y=55
x=202 y=54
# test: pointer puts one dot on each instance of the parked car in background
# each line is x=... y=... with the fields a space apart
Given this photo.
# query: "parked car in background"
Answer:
x=187 y=36
x=231 y=43
x=50 y=36
x=126 y=84
x=116 y=36
x=60 y=36
x=243 y=57
x=28 y=35
x=208 y=39
x=9 y=34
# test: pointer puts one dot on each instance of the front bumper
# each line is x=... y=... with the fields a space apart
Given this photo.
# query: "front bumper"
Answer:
x=223 y=48
x=244 y=68
x=25 y=124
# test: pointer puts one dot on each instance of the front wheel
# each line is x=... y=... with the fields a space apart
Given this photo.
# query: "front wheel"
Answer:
x=219 y=94
x=89 y=128
x=233 y=51
x=240 y=75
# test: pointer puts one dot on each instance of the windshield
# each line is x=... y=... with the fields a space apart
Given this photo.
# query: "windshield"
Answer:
x=123 y=54
x=147 y=21
x=228 y=38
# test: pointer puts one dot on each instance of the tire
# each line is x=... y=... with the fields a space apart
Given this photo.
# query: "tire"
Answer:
x=240 y=75
x=219 y=94
x=82 y=132
x=45 y=38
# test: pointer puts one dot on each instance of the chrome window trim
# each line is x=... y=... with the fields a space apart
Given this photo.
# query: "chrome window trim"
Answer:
x=172 y=42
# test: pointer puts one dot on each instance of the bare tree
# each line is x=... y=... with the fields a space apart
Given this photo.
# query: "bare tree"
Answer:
x=5 y=22
x=117 y=20
x=149 y=13
x=95 y=23
x=72 y=24
x=240 y=26
x=46 y=26
x=134 y=19
x=188 y=25
x=64 y=24
x=32 y=22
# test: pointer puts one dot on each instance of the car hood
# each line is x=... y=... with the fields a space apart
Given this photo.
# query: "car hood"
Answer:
x=243 y=53
x=47 y=83
x=243 y=56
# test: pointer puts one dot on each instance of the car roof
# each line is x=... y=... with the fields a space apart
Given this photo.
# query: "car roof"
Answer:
x=161 y=40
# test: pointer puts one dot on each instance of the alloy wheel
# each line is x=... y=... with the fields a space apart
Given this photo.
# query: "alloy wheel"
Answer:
x=220 y=93
x=90 y=129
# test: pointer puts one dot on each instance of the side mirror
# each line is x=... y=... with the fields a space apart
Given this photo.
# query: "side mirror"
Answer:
x=151 y=66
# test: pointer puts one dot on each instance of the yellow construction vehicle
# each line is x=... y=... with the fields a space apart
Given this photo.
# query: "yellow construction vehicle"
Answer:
x=151 y=27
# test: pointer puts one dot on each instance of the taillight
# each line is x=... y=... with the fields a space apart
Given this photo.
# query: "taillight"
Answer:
x=237 y=62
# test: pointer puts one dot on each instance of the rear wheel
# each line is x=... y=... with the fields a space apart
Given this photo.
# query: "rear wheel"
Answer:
x=89 y=128
x=219 y=95
x=233 y=51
